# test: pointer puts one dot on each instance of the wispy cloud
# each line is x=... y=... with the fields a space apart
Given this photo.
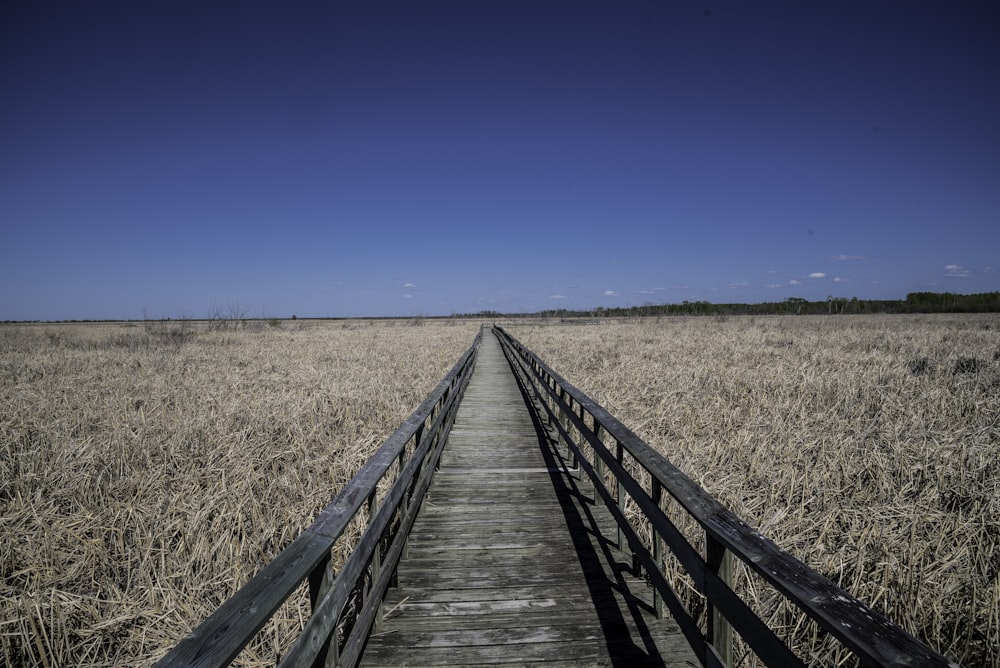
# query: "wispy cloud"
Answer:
x=739 y=284
x=612 y=293
x=557 y=296
x=408 y=285
x=794 y=282
x=407 y=296
x=817 y=274
x=849 y=258
x=774 y=285
x=838 y=279
x=955 y=271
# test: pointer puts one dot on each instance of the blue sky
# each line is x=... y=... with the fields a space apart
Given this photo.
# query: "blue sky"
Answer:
x=404 y=158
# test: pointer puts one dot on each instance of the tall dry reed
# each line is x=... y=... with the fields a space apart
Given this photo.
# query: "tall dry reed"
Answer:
x=867 y=446
x=147 y=472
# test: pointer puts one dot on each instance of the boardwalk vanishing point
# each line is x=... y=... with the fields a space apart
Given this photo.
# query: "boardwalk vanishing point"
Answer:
x=509 y=562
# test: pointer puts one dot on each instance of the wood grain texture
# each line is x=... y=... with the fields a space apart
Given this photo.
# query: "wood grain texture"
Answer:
x=510 y=561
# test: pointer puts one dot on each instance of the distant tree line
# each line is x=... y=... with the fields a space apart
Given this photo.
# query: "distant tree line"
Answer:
x=915 y=302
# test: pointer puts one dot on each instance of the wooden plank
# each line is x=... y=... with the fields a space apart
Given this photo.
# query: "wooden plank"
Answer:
x=528 y=618
x=578 y=651
x=446 y=575
x=517 y=589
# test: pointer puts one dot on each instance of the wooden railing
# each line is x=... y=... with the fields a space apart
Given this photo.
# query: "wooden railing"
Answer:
x=635 y=481
x=345 y=606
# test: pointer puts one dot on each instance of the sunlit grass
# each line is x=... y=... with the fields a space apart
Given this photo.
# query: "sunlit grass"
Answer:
x=147 y=472
x=867 y=446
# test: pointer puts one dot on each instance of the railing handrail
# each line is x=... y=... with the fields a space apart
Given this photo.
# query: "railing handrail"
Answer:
x=868 y=634
x=224 y=634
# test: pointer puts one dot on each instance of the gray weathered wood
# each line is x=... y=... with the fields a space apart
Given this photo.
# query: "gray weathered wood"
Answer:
x=509 y=561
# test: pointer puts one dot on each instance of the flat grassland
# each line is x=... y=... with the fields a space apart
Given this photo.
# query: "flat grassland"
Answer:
x=867 y=446
x=146 y=472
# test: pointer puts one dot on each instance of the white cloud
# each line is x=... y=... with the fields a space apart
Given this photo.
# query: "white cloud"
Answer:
x=409 y=285
x=612 y=293
x=650 y=291
x=838 y=279
x=955 y=271
x=557 y=296
x=849 y=258
x=794 y=282
x=773 y=285
x=817 y=274
x=740 y=284
x=407 y=296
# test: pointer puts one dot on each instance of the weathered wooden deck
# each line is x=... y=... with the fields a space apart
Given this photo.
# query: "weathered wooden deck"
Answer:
x=510 y=561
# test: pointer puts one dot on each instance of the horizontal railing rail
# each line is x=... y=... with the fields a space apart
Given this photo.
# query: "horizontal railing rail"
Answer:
x=640 y=482
x=345 y=606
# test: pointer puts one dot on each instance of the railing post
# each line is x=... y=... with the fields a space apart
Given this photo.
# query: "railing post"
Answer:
x=719 y=560
x=376 y=564
x=656 y=494
x=563 y=413
x=580 y=442
x=320 y=581
x=418 y=434
x=598 y=460
x=620 y=496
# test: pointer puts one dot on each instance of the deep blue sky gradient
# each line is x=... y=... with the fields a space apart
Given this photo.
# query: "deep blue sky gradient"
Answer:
x=402 y=158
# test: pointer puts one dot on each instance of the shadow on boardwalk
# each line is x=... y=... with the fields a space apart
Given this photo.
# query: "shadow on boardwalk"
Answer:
x=623 y=615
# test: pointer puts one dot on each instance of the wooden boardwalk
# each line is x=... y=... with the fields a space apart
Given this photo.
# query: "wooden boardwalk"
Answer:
x=510 y=561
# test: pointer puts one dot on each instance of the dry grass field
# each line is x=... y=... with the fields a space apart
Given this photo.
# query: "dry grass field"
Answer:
x=147 y=472
x=867 y=446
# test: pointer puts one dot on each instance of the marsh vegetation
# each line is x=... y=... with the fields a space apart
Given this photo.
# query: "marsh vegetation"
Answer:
x=867 y=446
x=147 y=472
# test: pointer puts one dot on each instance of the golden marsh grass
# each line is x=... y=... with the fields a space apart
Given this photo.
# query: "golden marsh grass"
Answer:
x=147 y=473
x=867 y=446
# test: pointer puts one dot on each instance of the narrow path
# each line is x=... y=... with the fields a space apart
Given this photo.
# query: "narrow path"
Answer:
x=509 y=561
